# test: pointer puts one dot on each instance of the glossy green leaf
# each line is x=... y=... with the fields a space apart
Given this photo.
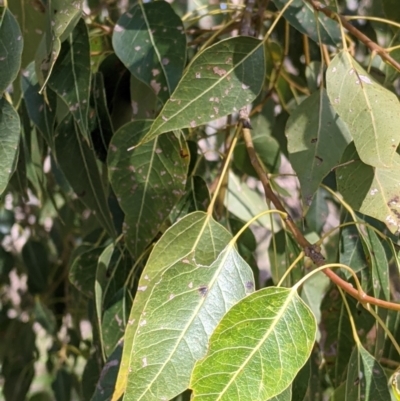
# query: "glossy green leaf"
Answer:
x=317 y=139
x=9 y=137
x=70 y=78
x=366 y=380
x=374 y=192
x=189 y=276
x=41 y=109
x=264 y=339
x=371 y=112
x=220 y=80
x=301 y=15
x=148 y=180
x=79 y=165
x=150 y=40
x=11 y=44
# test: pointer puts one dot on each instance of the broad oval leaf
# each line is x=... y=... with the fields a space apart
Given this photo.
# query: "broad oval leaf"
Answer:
x=10 y=128
x=301 y=15
x=11 y=45
x=220 y=80
x=371 y=112
x=317 y=138
x=148 y=180
x=150 y=40
x=264 y=340
x=374 y=192
x=186 y=278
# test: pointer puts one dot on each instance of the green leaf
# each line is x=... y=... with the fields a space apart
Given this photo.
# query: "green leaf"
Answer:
x=366 y=380
x=371 y=112
x=264 y=339
x=318 y=212
x=78 y=163
x=11 y=45
x=219 y=81
x=184 y=276
x=148 y=180
x=374 y=192
x=10 y=129
x=150 y=40
x=70 y=78
x=317 y=139
x=41 y=109
x=302 y=16
x=285 y=395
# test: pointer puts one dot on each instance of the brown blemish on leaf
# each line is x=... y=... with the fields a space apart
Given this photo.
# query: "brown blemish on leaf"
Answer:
x=203 y=290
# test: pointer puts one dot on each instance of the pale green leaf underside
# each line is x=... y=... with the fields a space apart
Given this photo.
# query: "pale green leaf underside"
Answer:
x=150 y=40
x=374 y=192
x=10 y=129
x=148 y=180
x=264 y=340
x=220 y=80
x=371 y=112
x=317 y=138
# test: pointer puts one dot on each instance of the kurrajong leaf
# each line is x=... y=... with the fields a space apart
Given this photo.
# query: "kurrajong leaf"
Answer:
x=192 y=275
x=264 y=340
x=371 y=112
x=150 y=40
x=219 y=81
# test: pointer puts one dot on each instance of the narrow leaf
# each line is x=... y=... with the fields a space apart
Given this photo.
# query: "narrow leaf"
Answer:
x=371 y=112
x=150 y=40
x=264 y=339
x=317 y=138
x=148 y=180
x=11 y=45
x=220 y=80
x=10 y=129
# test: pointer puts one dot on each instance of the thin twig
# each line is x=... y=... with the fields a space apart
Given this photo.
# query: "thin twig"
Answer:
x=355 y=32
x=310 y=250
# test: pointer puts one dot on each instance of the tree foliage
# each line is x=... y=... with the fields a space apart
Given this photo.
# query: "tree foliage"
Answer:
x=199 y=200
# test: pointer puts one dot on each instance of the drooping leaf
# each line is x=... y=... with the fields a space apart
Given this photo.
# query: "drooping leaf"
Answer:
x=374 y=192
x=366 y=380
x=371 y=112
x=220 y=80
x=78 y=163
x=11 y=45
x=301 y=15
x=9 y=137
x=41 y=111
x=70 y=78
x=150 y=40
x=317 y=138
x=148 y=180
x=271 y=328
x=183 y=276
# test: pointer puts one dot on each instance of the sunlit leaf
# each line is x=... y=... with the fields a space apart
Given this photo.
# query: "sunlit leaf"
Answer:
x=317 y=139
x=150 y=40
x=220 y=80
x=148 y=180
x=371 y=112
x=271 y=328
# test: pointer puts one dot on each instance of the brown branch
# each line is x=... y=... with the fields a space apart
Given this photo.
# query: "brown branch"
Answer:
x=355 y=32
x=310 y=250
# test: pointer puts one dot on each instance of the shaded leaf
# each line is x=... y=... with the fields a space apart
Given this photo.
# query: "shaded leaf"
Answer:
x=11 y=45
x=371 y=112
x=219 y=81
x=318 y=212
x=272 y=327
x=301 y=15
x=150 y=40
x=374 y=192
x=148 y=180
x=317 y=139
x=9 y=137
x=78 y=163
x=143 y=100
x=70 y=78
